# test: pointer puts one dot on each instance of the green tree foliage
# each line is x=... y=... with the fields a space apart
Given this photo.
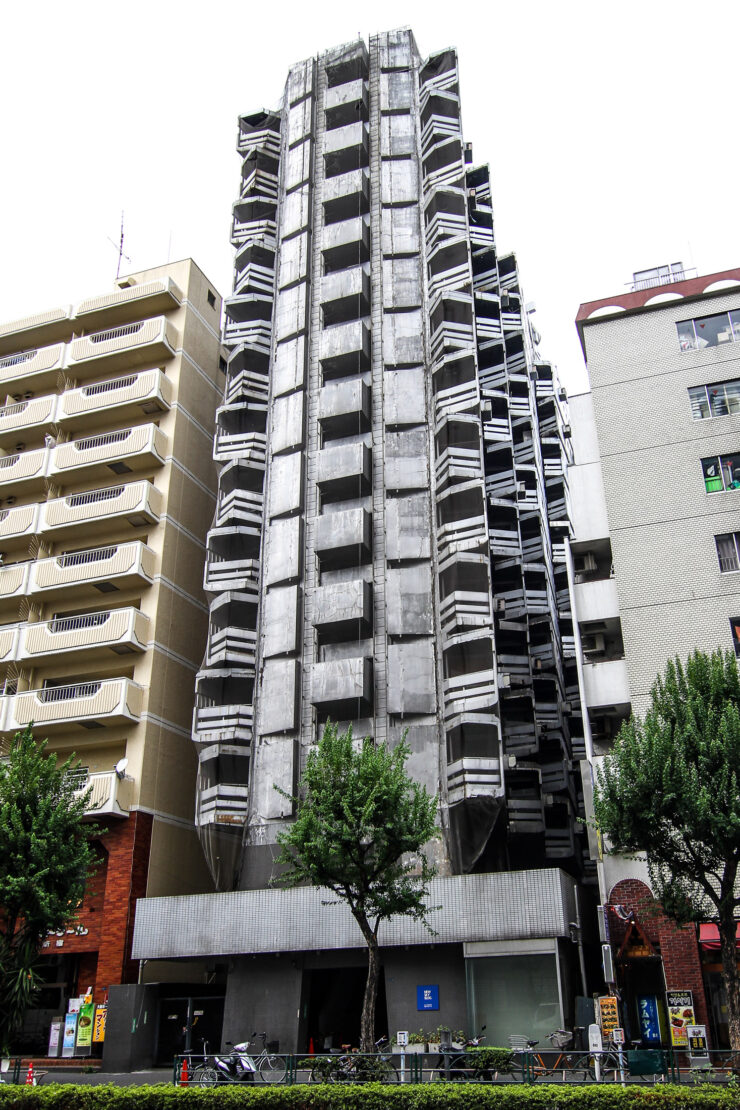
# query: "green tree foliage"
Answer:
x=670 y=789
x=360 y=824
x=45 y=856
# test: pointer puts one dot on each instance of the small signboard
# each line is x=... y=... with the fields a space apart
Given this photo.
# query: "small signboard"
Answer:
x=680 y=1016
x=70 y=1031
x=608 y=1014
x=101 y=1012
x=427 y=998
x=85 y=1027
x=618 y=1035
x=647 y=1014
x=698 y=1047
x=402 y=1038
x=55 y=1036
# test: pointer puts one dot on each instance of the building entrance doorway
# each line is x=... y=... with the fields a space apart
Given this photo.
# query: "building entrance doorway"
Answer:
x=335 y=1007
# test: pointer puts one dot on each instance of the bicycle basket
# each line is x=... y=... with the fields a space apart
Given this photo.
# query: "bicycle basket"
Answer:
x=273 y=1046
x=560 y=1040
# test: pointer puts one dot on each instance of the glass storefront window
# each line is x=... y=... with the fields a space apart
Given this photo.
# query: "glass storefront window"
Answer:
x=514 y=994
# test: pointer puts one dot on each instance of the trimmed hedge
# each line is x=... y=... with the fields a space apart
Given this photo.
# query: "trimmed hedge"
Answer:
x=369 y=1096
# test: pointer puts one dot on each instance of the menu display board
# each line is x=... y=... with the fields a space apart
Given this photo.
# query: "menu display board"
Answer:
x=608 y=1014
x=680 y=1016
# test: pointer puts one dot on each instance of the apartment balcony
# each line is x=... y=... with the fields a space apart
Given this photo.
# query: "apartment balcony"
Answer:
x=121 y=631
x=472 y=777
x=260 y=131
x=110 y=795
x=606 y=684
x=147 y=392
x=17 y=526
x=344 y=472
x=139 y=503
x=468 y=692
x=24 y=471
x=345 y=296
x=32 y=331
x=253 y=333
x=344 y=408
x=245 y=446
x=345 y=244
x=231 y=646
x=346 y=196
x=344 y=539
x=457 y=464
x=18 y=419
x=344 y=350
x=115 y=567
x=123 y=348
x=343 y=610
x=343 y=687
x=526 y=816
x=240 y=508
x=34 y=370
x=14 y=580
x=9 y=634
x=464 y=610
x=218 y=721
x=346 y=103
x=120 y=452
x=596 y=600
x=232 y=559
x=346 y=148
x=109 y=701
x=262 y=231
x=130 y=303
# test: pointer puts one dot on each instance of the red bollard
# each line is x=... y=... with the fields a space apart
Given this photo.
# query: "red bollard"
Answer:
x=30 y=1081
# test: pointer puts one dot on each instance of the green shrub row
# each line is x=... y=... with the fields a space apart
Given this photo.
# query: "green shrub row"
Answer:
x=368 y=1097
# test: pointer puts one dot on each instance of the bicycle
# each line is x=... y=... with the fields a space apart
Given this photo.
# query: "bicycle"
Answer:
x=240 y=1067
x=577 y=1067
x=355 y=1067
x=459 y=1067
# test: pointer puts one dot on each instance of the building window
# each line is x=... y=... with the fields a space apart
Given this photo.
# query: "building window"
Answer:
x=211 y=299
x=721 y=472
x=728 y=552
x=718 y=399
x=709 y=331
x=735 y=626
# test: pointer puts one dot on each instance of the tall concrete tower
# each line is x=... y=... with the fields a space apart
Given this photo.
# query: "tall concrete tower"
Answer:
x=389 y=544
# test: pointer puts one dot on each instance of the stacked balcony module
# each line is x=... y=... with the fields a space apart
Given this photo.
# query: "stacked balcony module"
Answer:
x=389 y=548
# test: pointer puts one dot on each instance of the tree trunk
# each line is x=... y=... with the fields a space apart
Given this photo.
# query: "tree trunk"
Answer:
x=367 y=1022
x=730 y=978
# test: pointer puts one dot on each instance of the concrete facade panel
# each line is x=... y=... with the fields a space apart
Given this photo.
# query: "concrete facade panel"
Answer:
x=287 y=423
x=411 y=673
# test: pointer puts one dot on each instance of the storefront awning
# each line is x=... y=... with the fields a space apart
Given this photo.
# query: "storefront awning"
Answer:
x=709 y=937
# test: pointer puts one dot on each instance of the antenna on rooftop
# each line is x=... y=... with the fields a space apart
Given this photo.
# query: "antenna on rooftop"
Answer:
x=119 y=248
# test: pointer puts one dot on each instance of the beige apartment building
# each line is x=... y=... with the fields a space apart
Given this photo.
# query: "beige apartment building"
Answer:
x=106 y=493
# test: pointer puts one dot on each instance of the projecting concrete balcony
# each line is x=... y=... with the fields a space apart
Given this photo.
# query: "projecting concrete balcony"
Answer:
x=110 y=795
x=346 y=196
x=606 y=683
x=240 y=507
x=146 y=392
x=343 y=610
x=249 y=447
x=110 y=701
x=115 y=567
x=260 y=231
x=468 y=692
x=472 y=777
x=17 y=525
x=496 y=430
x=231 y=646
x=120 y=452
x=24 y=416
x=139 y=503
x=9 y=634
x=345 y=296
x=253 y=333
x=457 y=464
x=344 y=539
x=344 y=472
x=230 y=570
x=121 y=631
x=344 y=349
x=597 y=600
x=463 y=610
x=31 y=370
x=346 y=103
x=346 y=148
x=129 y=303
x=341 y=686
x=39 y=330
x=123 y=347
x=345 y=244
x=14 y=581
x=214 y=723
x=24 y=471
x=260 y=131
x=344 y=408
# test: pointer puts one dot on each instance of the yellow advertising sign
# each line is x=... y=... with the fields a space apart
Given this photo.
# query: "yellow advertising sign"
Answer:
x=680 y=1016
x=608 y=1014
x=99 y=1024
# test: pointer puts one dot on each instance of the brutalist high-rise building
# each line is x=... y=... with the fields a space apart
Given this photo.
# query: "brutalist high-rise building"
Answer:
x=389 y=550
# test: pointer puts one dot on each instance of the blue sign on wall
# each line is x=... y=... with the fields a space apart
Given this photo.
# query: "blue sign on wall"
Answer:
x=647 y=1012
x=427 y=998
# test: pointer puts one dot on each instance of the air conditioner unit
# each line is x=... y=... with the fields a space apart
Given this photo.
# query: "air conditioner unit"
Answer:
x=584 y=564
x=536 y=664
x=594 y=645
x=521 y=489
x=486 y=410
x=562 y=394
x=499 y=604
x=504 y=681
x=567 y=433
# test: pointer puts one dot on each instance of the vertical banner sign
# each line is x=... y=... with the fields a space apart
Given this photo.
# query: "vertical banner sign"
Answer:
x=647 y=1013
x=70 y=1029
x=680 y=1016
x=101 y=1012
x=608 y=1015
x=85 y=1025
x=697 y=1037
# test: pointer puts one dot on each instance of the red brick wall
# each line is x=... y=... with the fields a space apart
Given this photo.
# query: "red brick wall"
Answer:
x=679 y=948
x=128 y=845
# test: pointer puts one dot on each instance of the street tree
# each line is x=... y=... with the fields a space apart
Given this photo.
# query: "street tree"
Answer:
x=361 y=823
x=45 y=857
x=671 y=789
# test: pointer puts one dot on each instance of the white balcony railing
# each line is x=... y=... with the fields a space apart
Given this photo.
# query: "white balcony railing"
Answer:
x=139 y=502
x=110 y=796
x=37 y=412
x=28 y=367
x=124 y=564
x=110 y=700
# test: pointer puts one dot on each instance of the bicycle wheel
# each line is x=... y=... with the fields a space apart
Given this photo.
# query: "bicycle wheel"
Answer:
x=523 y=1072
x=323 y=1071
x=272 y=1068
x=580 y=1070
x=205 y=1076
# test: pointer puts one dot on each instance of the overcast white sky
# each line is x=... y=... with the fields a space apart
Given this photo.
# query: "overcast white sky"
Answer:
x=611 y=130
